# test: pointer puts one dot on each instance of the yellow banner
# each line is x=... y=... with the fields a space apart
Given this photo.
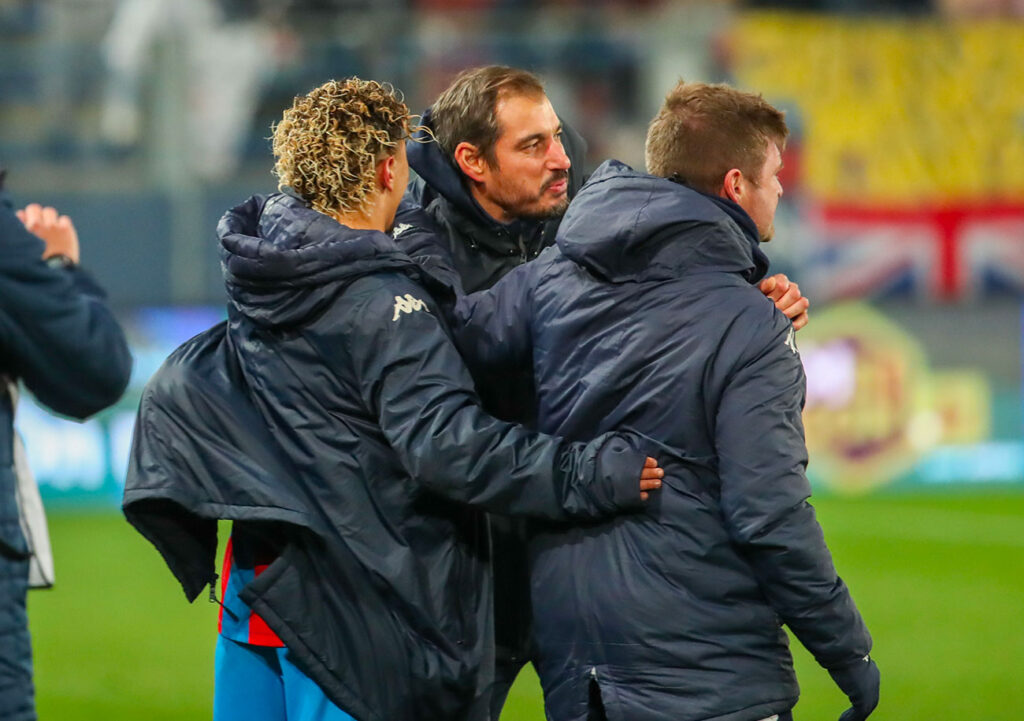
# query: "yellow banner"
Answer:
x=894 y=112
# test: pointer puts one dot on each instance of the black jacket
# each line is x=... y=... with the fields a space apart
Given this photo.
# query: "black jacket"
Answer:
x=334 y=405
x=58 y=336
x=644 y=317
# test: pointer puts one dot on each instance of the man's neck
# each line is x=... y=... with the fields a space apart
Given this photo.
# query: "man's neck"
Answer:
x=375 y=219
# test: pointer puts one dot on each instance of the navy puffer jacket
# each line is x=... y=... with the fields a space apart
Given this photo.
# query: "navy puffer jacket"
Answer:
x=645 y=317
x=334 y=406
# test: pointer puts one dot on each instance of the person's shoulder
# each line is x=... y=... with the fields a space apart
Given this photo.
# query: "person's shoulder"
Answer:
x=739 y=310
x=385 y=296
x=419 y=234
x=189 y=369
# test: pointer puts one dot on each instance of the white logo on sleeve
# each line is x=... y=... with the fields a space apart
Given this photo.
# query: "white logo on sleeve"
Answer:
x=408 y=304
x=399 y=229
x=791 y=340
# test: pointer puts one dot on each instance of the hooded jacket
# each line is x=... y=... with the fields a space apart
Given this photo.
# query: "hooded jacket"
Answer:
x=644 y=317
x=332 y=413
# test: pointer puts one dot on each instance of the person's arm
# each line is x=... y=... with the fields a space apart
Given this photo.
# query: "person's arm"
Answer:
x=492 y=327
x=762 y=459
x=56 y=332
x=413 y=381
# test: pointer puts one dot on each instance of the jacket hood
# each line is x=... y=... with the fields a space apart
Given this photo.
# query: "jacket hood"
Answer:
x=442 y=177
x=284 y=262
x=625 y=226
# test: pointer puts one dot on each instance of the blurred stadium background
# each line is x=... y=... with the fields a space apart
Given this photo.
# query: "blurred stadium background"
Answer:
x=903 y=221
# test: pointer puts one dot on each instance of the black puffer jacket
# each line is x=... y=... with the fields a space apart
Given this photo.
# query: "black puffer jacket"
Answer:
x=334 y=403
x=644 y=317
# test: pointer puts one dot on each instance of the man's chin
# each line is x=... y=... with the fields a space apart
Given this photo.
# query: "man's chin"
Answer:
x=546 y=211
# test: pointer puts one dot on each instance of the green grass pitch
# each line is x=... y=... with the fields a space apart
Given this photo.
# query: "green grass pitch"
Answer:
x=940 y=580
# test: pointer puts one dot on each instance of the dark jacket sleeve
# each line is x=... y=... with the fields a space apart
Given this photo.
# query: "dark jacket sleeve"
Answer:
x=762 y=460
x=56 y=331
x=492 y=327
x=412 y=379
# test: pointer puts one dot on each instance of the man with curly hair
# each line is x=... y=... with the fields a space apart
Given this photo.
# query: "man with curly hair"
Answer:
x=332 y=419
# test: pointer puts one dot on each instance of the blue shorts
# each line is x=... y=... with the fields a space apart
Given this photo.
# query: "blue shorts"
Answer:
x=260 y=683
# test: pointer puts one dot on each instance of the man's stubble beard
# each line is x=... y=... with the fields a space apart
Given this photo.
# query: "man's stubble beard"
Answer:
x=555 y=211
x=526 y=209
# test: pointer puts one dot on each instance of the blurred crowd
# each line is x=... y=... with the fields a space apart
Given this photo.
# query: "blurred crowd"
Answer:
x=164 y=107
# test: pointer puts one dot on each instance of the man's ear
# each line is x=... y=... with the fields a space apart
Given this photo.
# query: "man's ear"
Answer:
x=386 y=173
x=732 y=186
x=470 y=161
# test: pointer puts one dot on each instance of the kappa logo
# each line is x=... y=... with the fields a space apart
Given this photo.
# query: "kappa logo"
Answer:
x=399 y=229
x=408 y=304
x=791 y=340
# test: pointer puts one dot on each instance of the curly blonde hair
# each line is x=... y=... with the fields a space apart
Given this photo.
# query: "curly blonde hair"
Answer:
x=329 y=142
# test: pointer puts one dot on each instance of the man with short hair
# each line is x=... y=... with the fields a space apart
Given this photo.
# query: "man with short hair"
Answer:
x=333 y=420
x=490 y=196
x=644 y=316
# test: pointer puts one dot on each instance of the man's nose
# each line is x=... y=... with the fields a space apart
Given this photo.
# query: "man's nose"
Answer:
x=557 y=159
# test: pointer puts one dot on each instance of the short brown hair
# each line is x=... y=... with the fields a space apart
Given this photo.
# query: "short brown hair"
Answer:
x=328 y=143
x=467 y=110
x=703 y=131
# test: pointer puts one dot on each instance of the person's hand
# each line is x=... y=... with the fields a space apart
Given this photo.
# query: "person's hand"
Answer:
x=860 y=682
x=56 y=231
x=650 y=477
x=786 y=296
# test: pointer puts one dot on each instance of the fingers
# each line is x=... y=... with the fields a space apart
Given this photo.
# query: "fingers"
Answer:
x=800 y=321
x=36 y=216
x=787 y=298
x=56 y=231
x=650 y=477
x=776 y=286
x=792 y=307
x=650 y=484
x=651 y=470
x=32 y=215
